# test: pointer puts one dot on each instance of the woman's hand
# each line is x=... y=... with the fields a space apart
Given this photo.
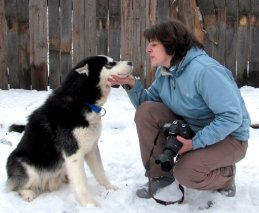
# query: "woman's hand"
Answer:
x=187 y=145
x=116 y=80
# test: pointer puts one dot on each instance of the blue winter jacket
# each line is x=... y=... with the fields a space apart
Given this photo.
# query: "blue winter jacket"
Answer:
x=204 y=93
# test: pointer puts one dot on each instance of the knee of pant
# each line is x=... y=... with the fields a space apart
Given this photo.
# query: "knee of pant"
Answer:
x=143 y=111
x=183 y=174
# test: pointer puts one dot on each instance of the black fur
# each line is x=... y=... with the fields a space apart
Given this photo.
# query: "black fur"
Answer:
x=62 y=134
x=49 y=127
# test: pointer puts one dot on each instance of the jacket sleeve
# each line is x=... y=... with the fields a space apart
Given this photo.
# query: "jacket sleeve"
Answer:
x=219 y=91
x=138 y=94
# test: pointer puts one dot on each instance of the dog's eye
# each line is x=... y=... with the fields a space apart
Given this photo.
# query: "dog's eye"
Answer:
x=109 y=65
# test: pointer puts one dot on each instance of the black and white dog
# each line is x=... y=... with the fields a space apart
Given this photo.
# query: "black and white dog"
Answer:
x=62 y=134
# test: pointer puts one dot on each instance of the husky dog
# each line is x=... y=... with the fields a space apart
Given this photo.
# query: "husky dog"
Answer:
x=62 y=134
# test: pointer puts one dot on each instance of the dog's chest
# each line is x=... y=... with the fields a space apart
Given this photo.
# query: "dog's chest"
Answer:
x=87 y=136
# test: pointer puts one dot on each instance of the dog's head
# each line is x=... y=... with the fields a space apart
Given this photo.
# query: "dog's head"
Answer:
x=95 y=71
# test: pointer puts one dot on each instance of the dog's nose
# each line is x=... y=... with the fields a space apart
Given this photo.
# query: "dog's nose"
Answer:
x=129 y=63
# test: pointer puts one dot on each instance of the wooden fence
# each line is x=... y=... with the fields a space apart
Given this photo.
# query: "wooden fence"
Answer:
x=40 y=40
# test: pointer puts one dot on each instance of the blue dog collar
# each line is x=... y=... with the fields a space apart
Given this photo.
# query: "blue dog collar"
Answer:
x=95 y=108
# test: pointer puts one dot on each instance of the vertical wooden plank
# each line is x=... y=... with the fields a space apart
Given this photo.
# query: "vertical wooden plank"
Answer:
x=150 y=20
x=198 y=25
x=189 y=13
x=3 y=48
x=243 y=41
x=253 y=74
x=114 y=34
x=90 y=28
x=209 y=24
x=66 y=38
x=38 y=44
x=220 y=12
x=162 y=12
x=102 y=26
x=231 y=35
x=23 y=44
x=138 y=45
x=54 y=43
x=173 y=9
x=12 y=42
x=78 y=31
x=126 y=29
x=186 y=13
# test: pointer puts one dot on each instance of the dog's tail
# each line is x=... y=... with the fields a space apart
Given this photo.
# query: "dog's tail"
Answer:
x=16 y=128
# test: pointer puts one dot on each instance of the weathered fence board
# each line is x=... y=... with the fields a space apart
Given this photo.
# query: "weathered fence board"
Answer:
x=150 y=20
x=210 y=25
x=3 y=47
x=138 y=43
x=219 y=49
x=84 y=25
x=38 y=44
x=126 y=29
x=78 y=30
x=66 y=38
x=102 y=8
x=114 y=33
x=90 y=28
x=23 y=44
x=12 y=42
x=253 y=74
x=54 y=43
x=17 y=17
x=243 y=41
x=231 y=35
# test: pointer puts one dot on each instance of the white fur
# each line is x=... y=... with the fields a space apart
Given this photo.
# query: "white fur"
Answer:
x=83 y=69
x=87 y=138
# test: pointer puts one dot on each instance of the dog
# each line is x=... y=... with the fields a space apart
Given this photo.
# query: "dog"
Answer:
x=62 y=134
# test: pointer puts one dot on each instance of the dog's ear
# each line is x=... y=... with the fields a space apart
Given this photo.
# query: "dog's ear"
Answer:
x=83 y=70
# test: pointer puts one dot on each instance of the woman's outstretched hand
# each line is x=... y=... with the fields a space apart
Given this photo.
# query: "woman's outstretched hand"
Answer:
x=116 y=80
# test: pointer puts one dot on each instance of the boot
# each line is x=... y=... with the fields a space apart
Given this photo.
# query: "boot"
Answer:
x=230 y=191
x=157 y=183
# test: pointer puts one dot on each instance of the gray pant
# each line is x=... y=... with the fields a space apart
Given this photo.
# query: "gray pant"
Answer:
x=209 y=168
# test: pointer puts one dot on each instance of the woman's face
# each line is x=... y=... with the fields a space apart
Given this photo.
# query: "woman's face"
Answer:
x=158 y=55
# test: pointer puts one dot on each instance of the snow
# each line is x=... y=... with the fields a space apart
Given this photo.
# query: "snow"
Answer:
x=121 y=157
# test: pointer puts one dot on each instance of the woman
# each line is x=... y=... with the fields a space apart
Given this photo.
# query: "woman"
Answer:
x=191 y=86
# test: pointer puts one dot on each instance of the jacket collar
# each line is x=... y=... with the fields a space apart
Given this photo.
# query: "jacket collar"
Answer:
x=190 y=55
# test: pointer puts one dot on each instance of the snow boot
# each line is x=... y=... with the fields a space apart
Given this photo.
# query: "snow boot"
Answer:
x=230 y=191
x=157 y=183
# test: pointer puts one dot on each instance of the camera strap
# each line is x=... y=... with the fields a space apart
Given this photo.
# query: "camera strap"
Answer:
x=148 y=167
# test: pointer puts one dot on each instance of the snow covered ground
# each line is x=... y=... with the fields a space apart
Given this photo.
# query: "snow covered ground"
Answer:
x=120 y=153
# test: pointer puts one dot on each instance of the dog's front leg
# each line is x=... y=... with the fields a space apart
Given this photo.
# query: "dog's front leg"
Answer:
x=77 y=178
x=94 y=162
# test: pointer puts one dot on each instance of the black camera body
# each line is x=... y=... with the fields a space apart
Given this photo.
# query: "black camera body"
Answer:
x=172 y=146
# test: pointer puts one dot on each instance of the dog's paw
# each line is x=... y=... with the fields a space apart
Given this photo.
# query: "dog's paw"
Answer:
x=27 y=194
x=111 y=187
x=88 y=202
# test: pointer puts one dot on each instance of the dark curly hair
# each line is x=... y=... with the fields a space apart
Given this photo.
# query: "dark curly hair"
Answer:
x=175 y=37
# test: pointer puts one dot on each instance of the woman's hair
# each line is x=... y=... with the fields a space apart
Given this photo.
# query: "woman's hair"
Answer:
x=175 y=38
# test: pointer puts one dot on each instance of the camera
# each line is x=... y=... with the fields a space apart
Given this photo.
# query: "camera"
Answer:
x=172 y=146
